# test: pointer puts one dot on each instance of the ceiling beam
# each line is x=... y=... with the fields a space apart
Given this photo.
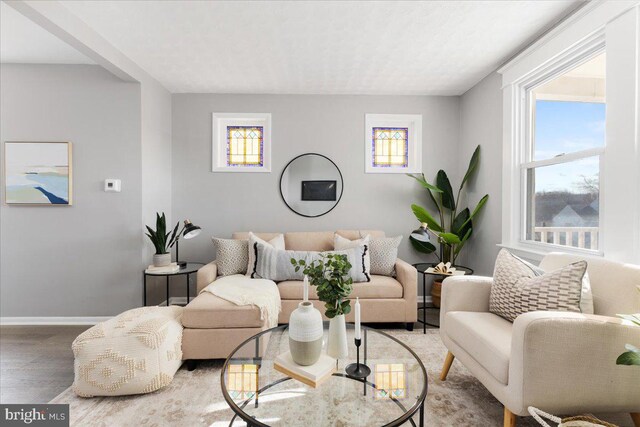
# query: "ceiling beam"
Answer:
x=62 y=23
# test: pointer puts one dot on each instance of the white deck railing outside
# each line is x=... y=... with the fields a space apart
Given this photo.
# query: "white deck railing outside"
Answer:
x=577 y=237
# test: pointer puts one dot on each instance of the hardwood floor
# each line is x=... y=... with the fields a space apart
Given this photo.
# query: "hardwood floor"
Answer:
x=36 y=362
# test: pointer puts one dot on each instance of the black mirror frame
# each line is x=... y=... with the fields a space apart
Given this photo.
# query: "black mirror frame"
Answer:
x=341 y=186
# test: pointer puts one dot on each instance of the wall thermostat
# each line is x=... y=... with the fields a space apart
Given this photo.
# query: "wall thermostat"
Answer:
x=112 y=185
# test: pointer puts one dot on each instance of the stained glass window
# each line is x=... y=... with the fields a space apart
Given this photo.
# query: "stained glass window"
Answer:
x=390 y=147
x=390 y=381
x=242 y=381
x=244 y=146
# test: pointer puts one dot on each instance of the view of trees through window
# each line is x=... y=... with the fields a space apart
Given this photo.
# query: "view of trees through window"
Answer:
x=567 y=137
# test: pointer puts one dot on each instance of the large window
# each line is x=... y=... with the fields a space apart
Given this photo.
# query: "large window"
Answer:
x=565 y=139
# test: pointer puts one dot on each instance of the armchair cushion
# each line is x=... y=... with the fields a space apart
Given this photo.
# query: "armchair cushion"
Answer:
x=486 y=337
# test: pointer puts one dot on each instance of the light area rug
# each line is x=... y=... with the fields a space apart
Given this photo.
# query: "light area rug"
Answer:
x=195 y=398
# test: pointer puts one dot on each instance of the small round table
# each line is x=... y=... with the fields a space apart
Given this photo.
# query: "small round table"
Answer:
x=261 y=396
x=422 y=267
x=190 y=268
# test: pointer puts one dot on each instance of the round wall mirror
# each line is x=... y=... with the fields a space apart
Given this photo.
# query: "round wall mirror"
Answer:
x=311 y=185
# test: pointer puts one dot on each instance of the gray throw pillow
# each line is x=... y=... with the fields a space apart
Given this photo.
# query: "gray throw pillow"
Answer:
x=384 y=253
x=275 y=264
x=232 y=256
x=518 y=287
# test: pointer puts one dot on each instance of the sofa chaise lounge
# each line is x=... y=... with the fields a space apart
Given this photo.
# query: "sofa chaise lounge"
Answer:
x=213 y=327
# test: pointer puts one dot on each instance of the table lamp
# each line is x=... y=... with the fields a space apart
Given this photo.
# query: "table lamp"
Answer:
x=421 y=234
x=189 y=231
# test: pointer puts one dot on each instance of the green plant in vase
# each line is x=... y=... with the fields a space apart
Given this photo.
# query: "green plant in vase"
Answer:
x=452 y=225
x=330 y=276
x=162 y=241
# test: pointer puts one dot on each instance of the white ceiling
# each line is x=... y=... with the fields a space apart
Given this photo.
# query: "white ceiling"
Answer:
x=22 y=41
x=315 y=47
x=350 y=47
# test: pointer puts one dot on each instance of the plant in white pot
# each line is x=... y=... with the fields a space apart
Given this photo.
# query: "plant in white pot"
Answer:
x=330 y=276
x=162 y=241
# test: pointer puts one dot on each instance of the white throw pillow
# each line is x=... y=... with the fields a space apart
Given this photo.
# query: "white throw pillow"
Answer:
x=340 y=243
x=384 y=253
x=586 y=296
x=277 y=242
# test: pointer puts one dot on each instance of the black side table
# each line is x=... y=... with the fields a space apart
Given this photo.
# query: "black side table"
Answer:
x=422 y=267
x=190 y=268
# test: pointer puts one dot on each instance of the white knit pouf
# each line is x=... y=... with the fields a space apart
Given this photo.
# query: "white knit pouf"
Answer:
x=138 y=351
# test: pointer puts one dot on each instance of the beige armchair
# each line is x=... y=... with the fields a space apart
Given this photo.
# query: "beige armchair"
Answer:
x=560 y=362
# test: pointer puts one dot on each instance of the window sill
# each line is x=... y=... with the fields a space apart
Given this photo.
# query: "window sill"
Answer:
x=535 y=252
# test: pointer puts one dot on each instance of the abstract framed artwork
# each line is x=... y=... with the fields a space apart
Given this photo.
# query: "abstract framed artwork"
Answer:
x=393 y=143
x=38 y=173
x=241 y=142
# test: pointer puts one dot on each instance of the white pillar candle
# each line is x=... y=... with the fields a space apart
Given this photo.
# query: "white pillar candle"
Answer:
x=305 y=292
x=357 y=318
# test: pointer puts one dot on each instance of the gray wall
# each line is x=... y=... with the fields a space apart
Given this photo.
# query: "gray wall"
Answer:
x=481 y=123
x=331 y=125
x=82 y=260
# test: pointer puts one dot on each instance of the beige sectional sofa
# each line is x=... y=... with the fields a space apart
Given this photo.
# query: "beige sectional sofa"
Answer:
x=214 y=327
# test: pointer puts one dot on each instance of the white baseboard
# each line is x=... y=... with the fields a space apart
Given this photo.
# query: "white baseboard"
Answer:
x=6 y=321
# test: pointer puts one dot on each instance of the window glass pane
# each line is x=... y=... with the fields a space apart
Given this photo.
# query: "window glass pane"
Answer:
x=569 y=111
x=390 y=147
x=563 y=203
x=244 y=146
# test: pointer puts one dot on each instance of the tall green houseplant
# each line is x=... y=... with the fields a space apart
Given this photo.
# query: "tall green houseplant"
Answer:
x=451 y=225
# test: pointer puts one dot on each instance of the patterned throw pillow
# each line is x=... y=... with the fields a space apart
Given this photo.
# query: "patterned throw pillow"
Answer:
x=277 y=242
x=275 y=264
x=384 y=253
x=518 y=287
x=232 y=256
x=340 y=244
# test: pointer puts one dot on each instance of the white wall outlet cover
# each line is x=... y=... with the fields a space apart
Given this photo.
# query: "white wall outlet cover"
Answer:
x=112 y=185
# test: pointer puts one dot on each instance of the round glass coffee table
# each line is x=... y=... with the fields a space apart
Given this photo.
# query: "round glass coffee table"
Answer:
x=262 y=396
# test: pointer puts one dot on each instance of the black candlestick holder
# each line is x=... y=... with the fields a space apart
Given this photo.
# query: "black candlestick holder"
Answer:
x=358 y=370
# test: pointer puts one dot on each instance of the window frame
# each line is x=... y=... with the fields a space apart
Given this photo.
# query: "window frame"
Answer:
x=523 y=146
x=219 y=140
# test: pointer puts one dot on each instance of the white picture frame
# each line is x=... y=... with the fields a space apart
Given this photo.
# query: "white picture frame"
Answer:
x=413 y=124
x=219 y=125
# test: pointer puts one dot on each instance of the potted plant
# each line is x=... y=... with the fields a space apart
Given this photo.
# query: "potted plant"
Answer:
x=162 y=241
x=330 y=276
x=454 y=225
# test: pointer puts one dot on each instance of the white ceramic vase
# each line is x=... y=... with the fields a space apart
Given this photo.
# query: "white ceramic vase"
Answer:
x=337 y=342
x=305 y=334
x=161 y=260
